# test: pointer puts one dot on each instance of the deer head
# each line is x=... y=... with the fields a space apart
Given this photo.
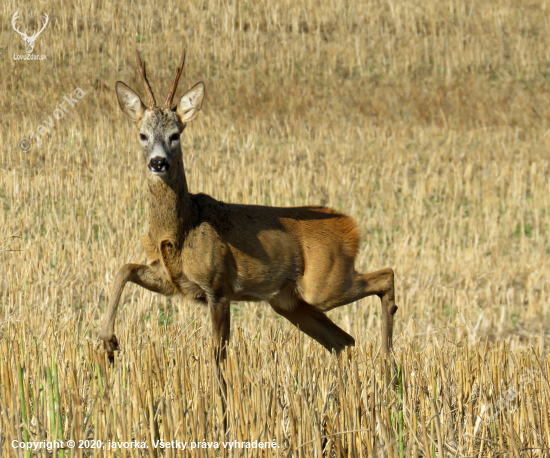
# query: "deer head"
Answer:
x=29 y=41
x=160 y=128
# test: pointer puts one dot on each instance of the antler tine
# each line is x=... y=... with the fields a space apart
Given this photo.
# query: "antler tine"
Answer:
x=13 y=21
x=150 y=95
x=173 y=87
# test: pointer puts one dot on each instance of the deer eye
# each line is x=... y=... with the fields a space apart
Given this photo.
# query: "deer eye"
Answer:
x=174 y=137
x=143 y=137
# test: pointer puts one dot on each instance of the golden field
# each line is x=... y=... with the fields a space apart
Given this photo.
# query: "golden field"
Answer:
x=427 y=122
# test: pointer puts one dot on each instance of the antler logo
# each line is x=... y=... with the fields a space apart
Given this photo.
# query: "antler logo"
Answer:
x=29 y=41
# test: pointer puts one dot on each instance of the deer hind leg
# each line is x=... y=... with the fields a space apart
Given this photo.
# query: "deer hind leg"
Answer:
x=315 y=324
x=140 y=274
x=381 y=284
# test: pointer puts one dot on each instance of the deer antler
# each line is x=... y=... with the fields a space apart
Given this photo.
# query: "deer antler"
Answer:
x=150 y=95
x=173 y=87
x=13 y=21
x=43 y=27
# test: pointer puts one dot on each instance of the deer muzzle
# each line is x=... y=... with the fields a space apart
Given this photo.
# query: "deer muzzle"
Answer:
x=159 y=165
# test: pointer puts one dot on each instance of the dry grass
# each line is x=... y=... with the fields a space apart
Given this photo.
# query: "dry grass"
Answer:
x=425 y=121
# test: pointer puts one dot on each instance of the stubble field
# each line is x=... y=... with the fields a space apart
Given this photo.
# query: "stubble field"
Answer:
x=427 y=122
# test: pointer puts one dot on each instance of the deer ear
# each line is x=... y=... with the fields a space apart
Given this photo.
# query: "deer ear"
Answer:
x=130 y=103
x=190 y=104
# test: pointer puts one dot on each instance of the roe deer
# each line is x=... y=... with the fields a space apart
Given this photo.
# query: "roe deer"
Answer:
x=299 y=259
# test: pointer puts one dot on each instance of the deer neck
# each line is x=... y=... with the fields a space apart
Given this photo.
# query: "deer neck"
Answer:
x=171 y=213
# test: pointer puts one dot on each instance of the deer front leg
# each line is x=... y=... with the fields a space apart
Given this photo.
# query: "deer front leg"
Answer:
x=220 y=314
x=140 y=274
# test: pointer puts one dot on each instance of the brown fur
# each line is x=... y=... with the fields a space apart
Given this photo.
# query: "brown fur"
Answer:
x=300 y=260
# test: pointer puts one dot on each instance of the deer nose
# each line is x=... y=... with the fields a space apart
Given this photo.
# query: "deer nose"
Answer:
x=158 y=164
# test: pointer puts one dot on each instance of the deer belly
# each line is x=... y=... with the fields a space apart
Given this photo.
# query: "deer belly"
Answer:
x=262 y=286
x=263 y=277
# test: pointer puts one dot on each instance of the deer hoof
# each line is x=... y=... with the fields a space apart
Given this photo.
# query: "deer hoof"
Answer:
x=111 y=345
